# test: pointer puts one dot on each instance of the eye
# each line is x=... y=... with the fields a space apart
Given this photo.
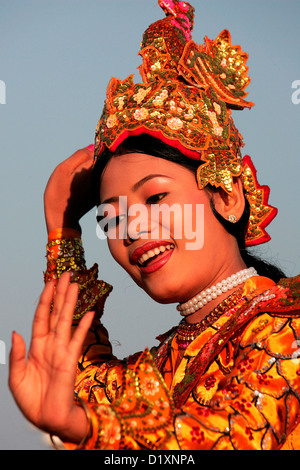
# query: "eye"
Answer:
x=108 y=224
x=155 y=198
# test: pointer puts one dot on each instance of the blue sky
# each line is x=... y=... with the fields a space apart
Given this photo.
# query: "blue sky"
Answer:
x=57 y=57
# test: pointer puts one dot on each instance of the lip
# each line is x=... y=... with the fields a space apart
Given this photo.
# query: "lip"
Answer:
x=138 y=252
x=157 y=264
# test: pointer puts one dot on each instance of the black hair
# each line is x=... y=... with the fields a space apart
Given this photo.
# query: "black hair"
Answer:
x=155 y=147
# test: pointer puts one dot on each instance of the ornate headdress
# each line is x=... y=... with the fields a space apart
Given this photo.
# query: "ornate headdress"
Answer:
x=185 y=100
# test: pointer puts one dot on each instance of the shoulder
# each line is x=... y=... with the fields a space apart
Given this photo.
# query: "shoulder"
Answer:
x=275 y=322
x=281 y=299
x=288 y=290
x=269 y=344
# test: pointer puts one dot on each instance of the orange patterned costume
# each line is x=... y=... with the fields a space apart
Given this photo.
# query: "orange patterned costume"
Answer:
x=236 y=387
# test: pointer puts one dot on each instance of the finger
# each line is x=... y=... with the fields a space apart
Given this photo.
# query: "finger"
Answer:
x=60 y=294
x=80 y=334
x=40 y=326
x=64 y=322
x=82 y=157
x=17 y=361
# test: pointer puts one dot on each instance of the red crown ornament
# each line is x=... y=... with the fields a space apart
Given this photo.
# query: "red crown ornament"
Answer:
x=261 y=212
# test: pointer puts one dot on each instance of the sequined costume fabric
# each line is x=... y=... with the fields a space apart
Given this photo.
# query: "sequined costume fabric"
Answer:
x=236 y=387
x=246 y=398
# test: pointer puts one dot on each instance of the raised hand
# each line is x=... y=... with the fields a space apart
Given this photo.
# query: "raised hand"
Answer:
x=68 y=195
x=43 y=383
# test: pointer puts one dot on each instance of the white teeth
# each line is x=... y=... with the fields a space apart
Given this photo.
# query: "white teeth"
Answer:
x=144 y=257
x=156 y=251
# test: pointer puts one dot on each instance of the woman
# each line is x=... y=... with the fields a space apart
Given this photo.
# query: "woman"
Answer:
x=228 y=376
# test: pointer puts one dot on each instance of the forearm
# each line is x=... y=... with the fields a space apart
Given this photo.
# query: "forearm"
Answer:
x=65 y=253
x=78 y=431
x=141 y=414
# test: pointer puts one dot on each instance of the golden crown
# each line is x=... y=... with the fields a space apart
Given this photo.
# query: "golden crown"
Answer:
x=185 y=100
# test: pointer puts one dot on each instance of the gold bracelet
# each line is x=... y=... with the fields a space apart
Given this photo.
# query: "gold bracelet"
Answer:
x=89 y=433
x=64 y=255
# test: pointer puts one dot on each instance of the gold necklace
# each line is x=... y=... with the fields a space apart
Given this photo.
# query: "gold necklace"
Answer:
x=188 y=332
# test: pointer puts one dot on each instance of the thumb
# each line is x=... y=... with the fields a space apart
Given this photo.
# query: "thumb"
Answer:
x=17 y=361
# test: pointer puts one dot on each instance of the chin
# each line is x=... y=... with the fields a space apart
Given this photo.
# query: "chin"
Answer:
x=162 y=293
x=164 y=288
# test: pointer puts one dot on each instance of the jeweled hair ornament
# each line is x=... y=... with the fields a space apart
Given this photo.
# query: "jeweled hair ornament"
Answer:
x=185 y=100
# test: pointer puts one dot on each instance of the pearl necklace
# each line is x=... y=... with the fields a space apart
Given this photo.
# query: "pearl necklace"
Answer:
x=201 y=299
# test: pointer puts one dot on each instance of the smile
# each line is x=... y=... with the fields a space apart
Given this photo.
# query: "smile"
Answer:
x=152 y=256
x=148 y=255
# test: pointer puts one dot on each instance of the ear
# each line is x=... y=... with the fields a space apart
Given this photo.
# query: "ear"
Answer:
x=232 y=203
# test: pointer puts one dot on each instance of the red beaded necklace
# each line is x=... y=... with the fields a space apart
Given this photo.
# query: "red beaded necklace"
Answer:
x=188 y=332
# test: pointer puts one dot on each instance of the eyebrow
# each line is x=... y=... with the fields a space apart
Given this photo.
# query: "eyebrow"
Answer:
x=136 y=186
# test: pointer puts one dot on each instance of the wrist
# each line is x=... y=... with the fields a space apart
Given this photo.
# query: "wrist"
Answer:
x=65 y=224
x=63 y=254
x=79 y=428
x=63 y=232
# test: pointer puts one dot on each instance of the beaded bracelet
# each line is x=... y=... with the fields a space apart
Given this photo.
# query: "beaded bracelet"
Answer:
x=68 y=255
x=64 y=255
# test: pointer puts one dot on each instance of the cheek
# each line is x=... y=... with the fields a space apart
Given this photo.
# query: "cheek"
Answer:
x=120 y=254
x=193 y=221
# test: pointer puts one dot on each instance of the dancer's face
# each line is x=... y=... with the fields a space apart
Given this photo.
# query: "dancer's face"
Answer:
x=161 y=228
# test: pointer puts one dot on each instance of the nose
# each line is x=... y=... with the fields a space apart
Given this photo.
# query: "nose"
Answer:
x=138 y=223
